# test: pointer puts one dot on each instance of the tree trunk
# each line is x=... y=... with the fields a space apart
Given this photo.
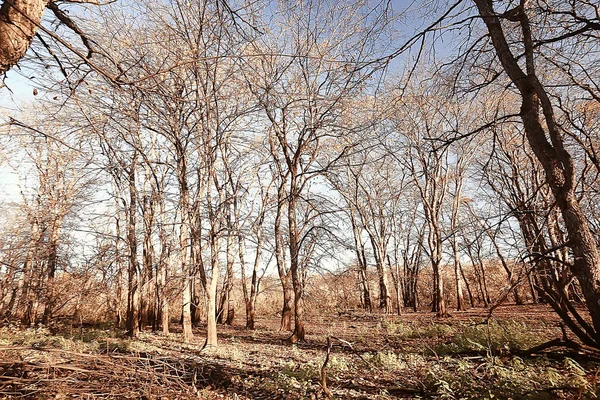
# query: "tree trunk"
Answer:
x=185 y=241
x=226 y=311
x=230 y=260
x=132 y=321
x=395 y=272
x=250 y=297
x=555 y=159
x=211 y=293
x=361 y=260
x=439 y=303
x=148 y=311
x=460 y=298
x=19 y=21
x=51 y=270
x=286 y=309
x=294 y=246
x=364 y=287
x=284 y=274
x=188 y=333
x=467 y=285
x=162 y=292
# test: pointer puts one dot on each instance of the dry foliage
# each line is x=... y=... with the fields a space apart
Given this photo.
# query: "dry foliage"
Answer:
x=371 y=357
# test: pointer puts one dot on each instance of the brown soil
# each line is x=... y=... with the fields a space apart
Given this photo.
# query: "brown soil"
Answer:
x=373 y=357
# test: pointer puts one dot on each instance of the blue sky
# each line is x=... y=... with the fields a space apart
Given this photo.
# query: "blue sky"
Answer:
x=14 y=99
x=18 y=90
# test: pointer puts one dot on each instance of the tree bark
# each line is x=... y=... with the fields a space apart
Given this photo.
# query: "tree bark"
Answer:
x=250 y=297
x=297 y=284
x=555 y=159
x=185 y=241
x=458 y=182
x=211 y=293
x=361 y=260
x=19 y=22
x=132 y=321
x=284 y=274
x=51 y=269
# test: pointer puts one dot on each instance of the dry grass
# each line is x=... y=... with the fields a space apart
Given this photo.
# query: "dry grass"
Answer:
x=412 y=356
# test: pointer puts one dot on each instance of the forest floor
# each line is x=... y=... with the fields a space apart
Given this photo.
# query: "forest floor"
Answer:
x=372 y=357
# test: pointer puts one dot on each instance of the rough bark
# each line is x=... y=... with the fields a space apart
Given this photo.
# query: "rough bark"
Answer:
x=19 y=22
x=552 y=154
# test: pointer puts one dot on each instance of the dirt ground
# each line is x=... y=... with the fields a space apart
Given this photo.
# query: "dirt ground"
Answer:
x=372 y=356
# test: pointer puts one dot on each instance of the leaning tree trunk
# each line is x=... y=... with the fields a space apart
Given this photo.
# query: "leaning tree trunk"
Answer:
x=555 y=159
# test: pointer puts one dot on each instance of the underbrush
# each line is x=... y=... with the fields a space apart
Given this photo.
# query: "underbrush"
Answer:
x=493 y=377
x=493 y=337
x=88 y=340
x=389 y=358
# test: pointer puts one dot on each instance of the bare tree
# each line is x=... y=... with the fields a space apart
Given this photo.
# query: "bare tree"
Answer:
x=421 y=117
x=523 y=39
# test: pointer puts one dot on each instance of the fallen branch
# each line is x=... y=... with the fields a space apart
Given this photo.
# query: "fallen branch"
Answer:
x=324 y=371
x=75 y=374
x=563 y=342
x=392 y=390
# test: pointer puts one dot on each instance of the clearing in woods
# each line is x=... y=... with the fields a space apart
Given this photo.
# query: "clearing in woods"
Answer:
x=371 y=357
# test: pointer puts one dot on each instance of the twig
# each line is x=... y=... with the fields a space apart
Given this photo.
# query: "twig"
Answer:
x=324 y=371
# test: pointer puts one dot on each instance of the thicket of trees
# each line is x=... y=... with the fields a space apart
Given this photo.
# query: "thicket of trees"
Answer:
x=201 y=148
